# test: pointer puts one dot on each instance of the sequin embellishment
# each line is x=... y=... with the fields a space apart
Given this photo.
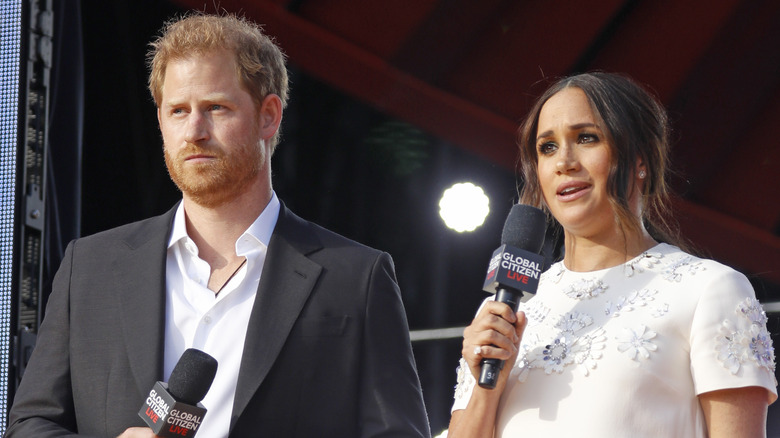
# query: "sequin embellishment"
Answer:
x=737 y=344
x=675 y=270
x=640 y=298
x=585 y=289
x=556 y=355
x=646 y=260
x=465 y=382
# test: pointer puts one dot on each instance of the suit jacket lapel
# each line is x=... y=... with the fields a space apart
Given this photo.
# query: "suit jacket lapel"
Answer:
x=140 y=281
x=287 y=281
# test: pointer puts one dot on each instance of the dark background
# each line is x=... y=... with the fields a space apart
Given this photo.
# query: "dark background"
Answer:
x=393 y=103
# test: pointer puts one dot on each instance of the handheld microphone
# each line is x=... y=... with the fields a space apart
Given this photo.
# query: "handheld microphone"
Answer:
x=173 y=409
x=514 y=268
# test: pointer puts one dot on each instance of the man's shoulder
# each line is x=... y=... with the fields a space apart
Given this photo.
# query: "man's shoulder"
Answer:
x=133 y=232
x=297 y=228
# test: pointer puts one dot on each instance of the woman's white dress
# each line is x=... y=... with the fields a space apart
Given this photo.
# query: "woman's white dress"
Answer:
x=624 y=351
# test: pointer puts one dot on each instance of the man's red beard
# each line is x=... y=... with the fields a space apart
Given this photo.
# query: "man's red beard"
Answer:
x=222 y=179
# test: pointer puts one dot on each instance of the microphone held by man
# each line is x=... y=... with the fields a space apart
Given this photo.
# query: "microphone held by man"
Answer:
x=173 y=409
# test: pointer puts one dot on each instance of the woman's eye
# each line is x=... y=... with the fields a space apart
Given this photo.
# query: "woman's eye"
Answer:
x=588 y=138
x=547 y=148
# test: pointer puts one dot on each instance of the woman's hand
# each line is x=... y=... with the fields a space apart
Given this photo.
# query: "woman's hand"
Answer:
x=494 y=333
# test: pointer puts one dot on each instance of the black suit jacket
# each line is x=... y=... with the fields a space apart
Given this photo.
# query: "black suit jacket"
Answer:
x=327 y=351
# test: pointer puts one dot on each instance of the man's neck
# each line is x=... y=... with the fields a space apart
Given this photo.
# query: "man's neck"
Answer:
x=216 y=229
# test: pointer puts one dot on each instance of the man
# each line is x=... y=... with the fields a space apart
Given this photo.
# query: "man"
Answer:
x=307 y=327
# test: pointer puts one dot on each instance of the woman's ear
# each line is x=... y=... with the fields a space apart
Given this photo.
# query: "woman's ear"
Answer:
x=641 y=170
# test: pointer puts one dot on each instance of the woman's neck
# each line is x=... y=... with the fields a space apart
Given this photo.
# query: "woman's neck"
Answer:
x=584 y=254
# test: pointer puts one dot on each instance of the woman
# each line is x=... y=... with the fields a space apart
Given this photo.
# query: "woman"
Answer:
x=626 y=336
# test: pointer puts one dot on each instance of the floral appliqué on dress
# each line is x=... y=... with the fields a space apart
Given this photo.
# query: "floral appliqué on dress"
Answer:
x=585 y=289
x=554 y=274
x=536 y=312
x=636 y=343
x=640 y=298
x=646 y=260
x=736 y=345
x=675 y=270
x=571 y=346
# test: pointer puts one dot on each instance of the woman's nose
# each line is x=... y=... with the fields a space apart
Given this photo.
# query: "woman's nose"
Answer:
x=567 y=160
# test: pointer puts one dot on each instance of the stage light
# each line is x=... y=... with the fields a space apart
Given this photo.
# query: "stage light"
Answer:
x=464 y=207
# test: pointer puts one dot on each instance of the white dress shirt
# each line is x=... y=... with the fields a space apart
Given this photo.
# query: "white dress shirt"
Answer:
x=196 y=317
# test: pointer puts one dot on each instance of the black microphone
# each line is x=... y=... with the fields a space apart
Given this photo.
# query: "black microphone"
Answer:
x=514 y=268
x=173 y=409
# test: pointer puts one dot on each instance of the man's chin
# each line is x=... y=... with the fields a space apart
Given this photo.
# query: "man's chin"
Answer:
x=207 y=194
x=208 y=200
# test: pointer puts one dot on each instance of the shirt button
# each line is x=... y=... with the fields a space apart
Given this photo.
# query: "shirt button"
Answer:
x=207 y=319
x=190 y=247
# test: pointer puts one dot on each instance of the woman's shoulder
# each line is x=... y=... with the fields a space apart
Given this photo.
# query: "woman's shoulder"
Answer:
x=676 y=262
x=664 y=259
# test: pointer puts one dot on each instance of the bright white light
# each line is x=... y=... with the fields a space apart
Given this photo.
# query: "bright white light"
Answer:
x=464 y=207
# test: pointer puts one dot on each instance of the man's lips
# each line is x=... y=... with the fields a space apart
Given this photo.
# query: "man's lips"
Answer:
x=198 y=157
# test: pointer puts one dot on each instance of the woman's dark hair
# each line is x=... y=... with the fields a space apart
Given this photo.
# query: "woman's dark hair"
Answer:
x=637 y=128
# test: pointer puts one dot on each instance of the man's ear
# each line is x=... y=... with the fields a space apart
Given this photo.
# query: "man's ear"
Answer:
x=270 y=116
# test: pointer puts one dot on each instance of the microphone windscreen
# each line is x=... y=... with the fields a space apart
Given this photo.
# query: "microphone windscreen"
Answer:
x=192 y=376
x=525 y=228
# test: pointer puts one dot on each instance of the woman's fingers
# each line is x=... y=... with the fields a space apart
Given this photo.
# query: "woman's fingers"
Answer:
x=495 y=333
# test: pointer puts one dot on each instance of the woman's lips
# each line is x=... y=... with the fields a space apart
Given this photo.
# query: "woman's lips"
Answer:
x=572 y=190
